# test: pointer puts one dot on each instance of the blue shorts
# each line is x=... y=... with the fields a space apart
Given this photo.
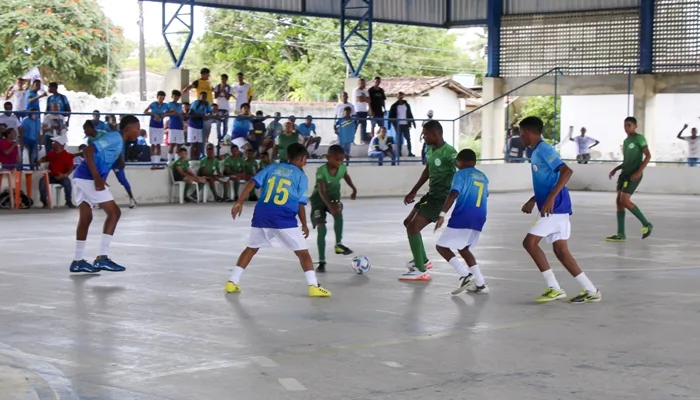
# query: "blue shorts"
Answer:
x=347 y=147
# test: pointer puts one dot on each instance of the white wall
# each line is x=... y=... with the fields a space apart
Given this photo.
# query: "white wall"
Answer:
x=656 y=180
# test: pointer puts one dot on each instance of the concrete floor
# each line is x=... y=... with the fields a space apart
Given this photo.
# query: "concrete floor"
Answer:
x=166 y=330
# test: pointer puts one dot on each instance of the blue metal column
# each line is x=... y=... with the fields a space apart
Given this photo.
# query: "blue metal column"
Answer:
x=189 y=28
x=493 y=26
x=646 y=36
x=362 y=31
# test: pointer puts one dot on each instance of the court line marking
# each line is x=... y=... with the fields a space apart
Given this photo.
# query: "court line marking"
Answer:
x=392 y=364
x=200 y=368
x=291 y=384
x=264 y=361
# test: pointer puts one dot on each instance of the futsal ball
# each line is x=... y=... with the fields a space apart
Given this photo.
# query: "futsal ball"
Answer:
x=360 y=265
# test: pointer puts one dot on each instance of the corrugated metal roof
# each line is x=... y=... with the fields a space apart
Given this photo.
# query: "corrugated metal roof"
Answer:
x=513 y=7
x=467 y=10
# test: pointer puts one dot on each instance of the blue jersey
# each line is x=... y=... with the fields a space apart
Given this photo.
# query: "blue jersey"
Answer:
x=242 y=125
x=59 y=99
x=157 y=122
x=305 y=130
x=175 y=121
x=284 y=187
x=545 y=175
x=346 y=130
x=101 y=126
x=108 y=148
x=32 y=128
x=472 y=187
x=201 y=108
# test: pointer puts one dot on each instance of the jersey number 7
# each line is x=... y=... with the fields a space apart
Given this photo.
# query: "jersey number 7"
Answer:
x=480 y=185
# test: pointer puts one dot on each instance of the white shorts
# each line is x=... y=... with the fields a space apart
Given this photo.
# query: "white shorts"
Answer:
x=85 y=192
x=553 y=228
x=194 y=135
x=290 y=238
x=240 y=142
x=453 y=238
x=176 y=136
x=155 y=135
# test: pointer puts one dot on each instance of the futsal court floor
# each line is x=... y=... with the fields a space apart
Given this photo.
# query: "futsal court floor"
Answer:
x=165 y=329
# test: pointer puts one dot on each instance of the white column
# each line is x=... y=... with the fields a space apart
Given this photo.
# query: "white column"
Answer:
x=176 y=79
x=643 y=90
x=493 y=118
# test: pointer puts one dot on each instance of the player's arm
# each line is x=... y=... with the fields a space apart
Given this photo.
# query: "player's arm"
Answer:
x=564 y=175
x=147 y=111
x=238 y=207
x=647 y=158
x=189 y=87
x=89 y=153
x=597 y=142
x=348 y=180
x=449 y=202
x=681 y=132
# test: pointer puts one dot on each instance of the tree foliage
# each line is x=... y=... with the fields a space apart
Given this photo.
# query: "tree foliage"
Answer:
x=543 y=107
x=70 y=41
x=298 y=58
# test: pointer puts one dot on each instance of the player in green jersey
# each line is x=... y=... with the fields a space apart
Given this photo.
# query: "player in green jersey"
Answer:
x=636 y=156
x=326 y=199
x=234 y=169
x=209 y=169
x=250 y=168
x=439 y=171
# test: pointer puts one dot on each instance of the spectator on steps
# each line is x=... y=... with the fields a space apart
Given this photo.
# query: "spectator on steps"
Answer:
x=183 y=173
x=61 y=100
x=31 y=128
x=200 y=110
x=340 y=107
x=258 y=135
x=60 y=168
x=377 y=106
x=210 y=170
x=346 y=128
x=234 y=169
x=361 y=98
x=584 y=144
x=223 y=93
x=382 y=146
x=53 y=124
x=401 y=117
x=18 y=92
x=290 y=135
x=242 y=126
x=10 y=119
x=9 y=149
x=307 y=129
x=274 y=129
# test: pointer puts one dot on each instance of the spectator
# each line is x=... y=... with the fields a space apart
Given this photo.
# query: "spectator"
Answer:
x=53 y=124
x=250 y=169
x=340 y=107
x=158 y=110
x=382 y=146
x=210 y=170
x=346 y=128
x=424 y=151
x=258 y=134
x=515 y=147
x=9 y=149
x=99 y=124
x=377 y=105
x=223 y=93
x=234 y=169
x=31 y=128
x=176 y=133
x=361 y=96
x=199 y=111
x=18 y=91
x=274 y=129
x=111 y=123
x=242 y=126
x=264 y=160
x=293 y=120
x=60 y=167
x=202 y=85
x=243 y=92
x=185 y=118
x=9 y=118
x=401 y=117
x=289 y=136
x=35 y=94
x=693 y=145
x=61 y=100
x=309 y=137
x=183 y=173
x=584 y=145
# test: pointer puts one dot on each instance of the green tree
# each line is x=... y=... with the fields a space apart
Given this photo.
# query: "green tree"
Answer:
x=543 y=107
x=70 y=41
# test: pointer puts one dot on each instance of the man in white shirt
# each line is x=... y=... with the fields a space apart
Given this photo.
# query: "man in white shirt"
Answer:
x=361 y=98
x=223 y=93
x=18 y=92
x=693 y=145
x=584 y=145
x=340 y=107
x=243 y=93
x=9 y=119
x=381 y=146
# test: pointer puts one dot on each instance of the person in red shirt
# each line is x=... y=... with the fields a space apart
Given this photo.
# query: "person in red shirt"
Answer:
x=9 y=149
x=60 y=167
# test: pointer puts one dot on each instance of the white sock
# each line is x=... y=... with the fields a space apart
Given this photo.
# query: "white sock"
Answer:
x=79 y=250
x=551 y=279
x=477 y=275
x=311 y=278
x=236 y=274
x=459 y=267
x=586 y=283
x=155 y=159
x=104 y=244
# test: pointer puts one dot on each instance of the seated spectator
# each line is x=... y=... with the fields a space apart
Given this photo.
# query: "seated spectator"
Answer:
x=290 y=135
x=78 y=158
x=112 y=125
x=257 y=135
x=346 y=128
x=9 y=119
x=9 y=149
x=183 y=173
x=53 y=124
x=60 y=167
x=31 y=128
x=234 y=169
x=264 y=161
x=242 y=126
x=210 y=171
x=382 y=146
x=250 y=168
x=274 y=129
x=307 y=129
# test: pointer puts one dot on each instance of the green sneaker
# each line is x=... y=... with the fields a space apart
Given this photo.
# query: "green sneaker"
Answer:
x=587 y=297
x=551 y=294
x=616 y=238
x=646 y=231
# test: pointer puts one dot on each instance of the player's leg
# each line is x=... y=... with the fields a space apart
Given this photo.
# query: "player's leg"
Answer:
x=294 y=240
x=338 y=228
x=318 y=221
x=590 y=293
x=110 y=207
x=478 y=285
x=418 y=221
x=626 y=200
x=79 y=263
x=619 y=236
x=243 y=260
x=544 y=227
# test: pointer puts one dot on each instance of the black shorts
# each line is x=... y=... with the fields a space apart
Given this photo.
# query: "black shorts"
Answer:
x=319 y=211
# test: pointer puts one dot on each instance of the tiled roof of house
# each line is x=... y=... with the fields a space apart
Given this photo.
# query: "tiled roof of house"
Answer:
x=415 y=86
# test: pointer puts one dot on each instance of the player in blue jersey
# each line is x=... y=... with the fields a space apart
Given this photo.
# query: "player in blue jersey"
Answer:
x=90 y=190
x=469 y=194
x=549 y=177
x=282 y=198
x=176 y=126
x=158 y=110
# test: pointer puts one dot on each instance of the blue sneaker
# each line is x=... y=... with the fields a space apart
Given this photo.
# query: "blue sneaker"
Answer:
x=105 y=264
x=82 y=266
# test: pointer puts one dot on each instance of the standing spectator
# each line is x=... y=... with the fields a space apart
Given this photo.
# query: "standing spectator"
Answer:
x=158 y=110
x=60 y=167
x=258 y=134
x=401 y=117
x=382 y=146
x=284 y=140
x=377 y=105
x=18 y=92
x=361 y=96
x=176 y=133
x=307 y=130
x=61 y=100
x=424 y=151
x=112 y=125
x=199 y=111
x=31 y=127
x=340 y=107
x=584 y=143
x=34 y=95
x=693 y=145
x=9 y=149
x=223 y=93
x=346 y=133
x=53 y=125
x=98 y=123
x=242 y=126
x=274 y=129
x=243 y=92
x=210 y=170
x=515 y=147
x=202 y=85
x=9 y=118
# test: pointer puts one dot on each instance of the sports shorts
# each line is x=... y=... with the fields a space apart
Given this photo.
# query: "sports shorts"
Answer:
x=155 y=135
x=290 y=238
x=625 y=184
x=454 y=238
x=194 y=135
x=85 y=192
x=319 y=211
x=553 y=228
x=176 y=136
x=430 y=206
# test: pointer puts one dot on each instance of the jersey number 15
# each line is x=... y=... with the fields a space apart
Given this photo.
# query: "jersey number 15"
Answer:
x=281 y=191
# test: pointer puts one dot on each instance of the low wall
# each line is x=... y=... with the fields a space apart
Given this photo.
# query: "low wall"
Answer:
x=657 y=179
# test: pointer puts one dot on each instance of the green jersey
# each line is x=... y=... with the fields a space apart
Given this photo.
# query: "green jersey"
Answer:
x=250 y=166
x=235 y=165
x=211 y=166
x=332 y=183
x=184 y=164
x=633 y=153
x=283 y=141
x=442 y=164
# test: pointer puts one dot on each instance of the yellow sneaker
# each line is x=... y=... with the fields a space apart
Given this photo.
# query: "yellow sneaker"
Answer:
x=231 y=287
x=318 y=291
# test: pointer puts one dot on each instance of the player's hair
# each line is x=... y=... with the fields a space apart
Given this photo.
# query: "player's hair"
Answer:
x=89 y=124
x=259 y=113
x=7 y=103
x=160 y=93
x=185 y=103
x=224 y=76
x=296 y=151
x=348 y=108
x=234 y=146
x=204 y=71
x=126 y=121
x=53 y=85
x=181 y=149
x=239 y=74
x=176 y=93
x=377 y=77
x=245 y=105
x=336 y=150
x=631 y=119
x=210 y=146
x=202 y=93
x=433 y=126
x=467 y=155
x=532 y=123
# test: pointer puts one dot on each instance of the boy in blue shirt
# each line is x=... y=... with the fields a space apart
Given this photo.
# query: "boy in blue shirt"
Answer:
x=158 y=110
x=345 y=128
x=91 y=190
x=176 y=127
x=282 y=198
x=309 y=137
x=549 y=178
x=469 y=194
x=31 y=128
x=199 y=111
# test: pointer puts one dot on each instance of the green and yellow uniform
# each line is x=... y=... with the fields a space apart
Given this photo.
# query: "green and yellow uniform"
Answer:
x=633 y=156
x=210 y=166
x=184 y=164
x=234 y=165
x=442 y=165
x=283 y=141
x=318 y=207
x=250 y=166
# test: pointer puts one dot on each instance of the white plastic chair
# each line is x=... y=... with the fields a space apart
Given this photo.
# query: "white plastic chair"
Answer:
x=207 y=190
x=179 y=188
x=56 y=191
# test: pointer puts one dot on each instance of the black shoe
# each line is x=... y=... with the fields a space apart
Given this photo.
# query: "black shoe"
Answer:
x=411 y=155
x=321 y=267
x=340 y=249
x=71 y=205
